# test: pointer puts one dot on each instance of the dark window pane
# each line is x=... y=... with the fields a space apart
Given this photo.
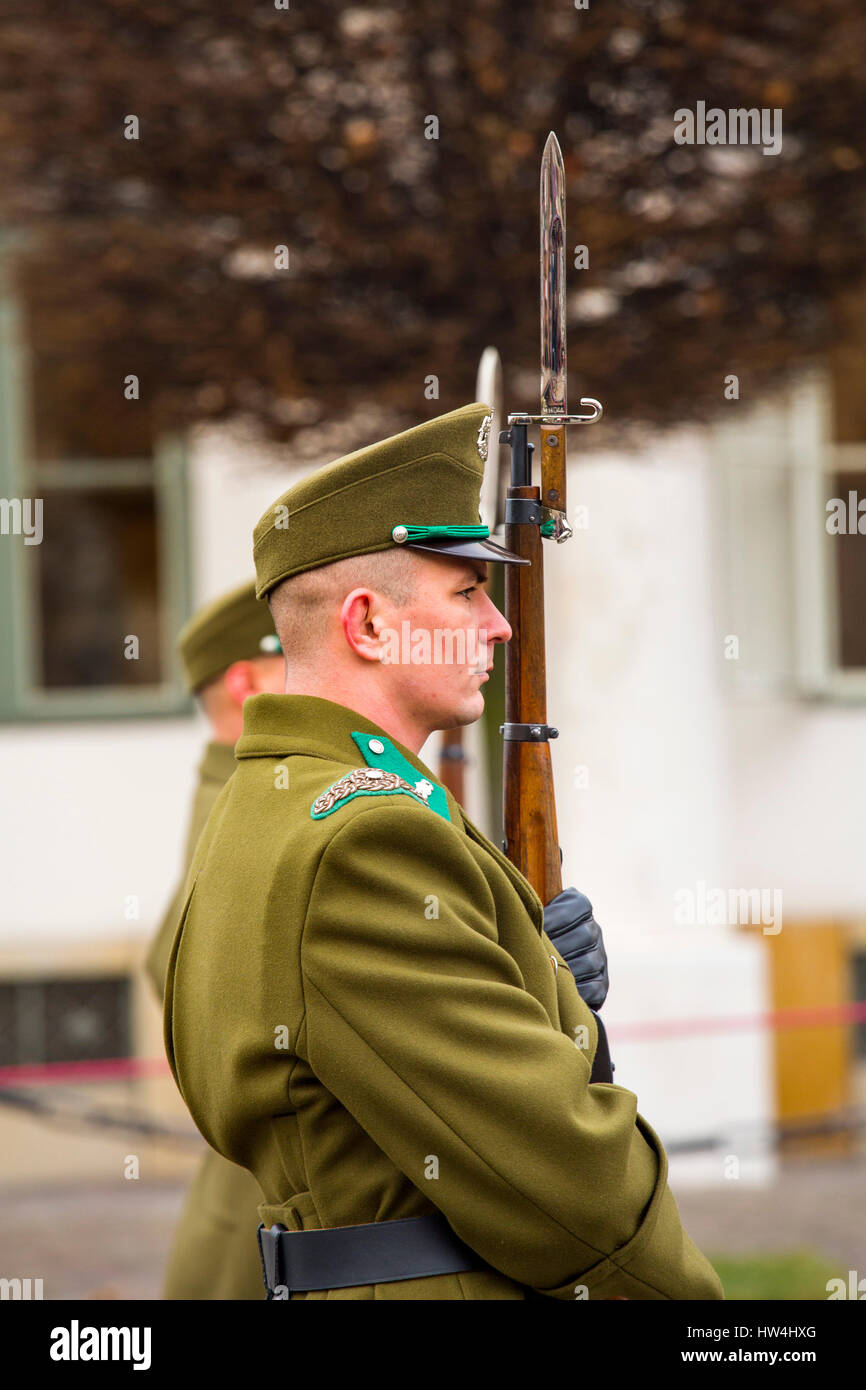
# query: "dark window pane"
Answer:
x=850 y=556
x=98 y=566
x=8 y=1052
x=64 y=1020
x=86 y=1019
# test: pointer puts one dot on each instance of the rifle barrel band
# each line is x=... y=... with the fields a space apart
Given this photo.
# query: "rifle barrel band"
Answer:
x=521 y=511
x=528 y=733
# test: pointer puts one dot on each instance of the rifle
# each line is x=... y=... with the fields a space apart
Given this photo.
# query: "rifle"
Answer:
x=531 y=516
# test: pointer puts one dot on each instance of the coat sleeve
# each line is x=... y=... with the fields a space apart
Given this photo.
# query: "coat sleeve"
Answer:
x=419 y=1024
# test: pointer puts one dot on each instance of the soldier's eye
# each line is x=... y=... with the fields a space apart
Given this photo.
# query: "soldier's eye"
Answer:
x=469 y=591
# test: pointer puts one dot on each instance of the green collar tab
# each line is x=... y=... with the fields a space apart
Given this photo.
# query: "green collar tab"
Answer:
x=380 y=752
x=406 y=534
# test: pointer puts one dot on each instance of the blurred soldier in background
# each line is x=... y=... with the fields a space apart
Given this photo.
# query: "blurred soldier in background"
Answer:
x=229 y=651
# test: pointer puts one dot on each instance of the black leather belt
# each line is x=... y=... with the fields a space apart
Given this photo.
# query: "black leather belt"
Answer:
x=379 y=1252
x=602 y=1067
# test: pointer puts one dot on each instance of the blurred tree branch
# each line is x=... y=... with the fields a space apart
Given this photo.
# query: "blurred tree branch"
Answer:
x=306 y=128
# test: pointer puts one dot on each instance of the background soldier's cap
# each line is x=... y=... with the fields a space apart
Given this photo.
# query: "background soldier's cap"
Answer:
x=235 y=627
x=419 y=489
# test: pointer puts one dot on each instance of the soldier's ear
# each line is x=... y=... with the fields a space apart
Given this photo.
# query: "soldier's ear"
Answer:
x=362 y=625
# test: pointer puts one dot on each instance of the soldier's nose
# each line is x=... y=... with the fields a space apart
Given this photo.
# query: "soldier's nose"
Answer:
x=497 y=627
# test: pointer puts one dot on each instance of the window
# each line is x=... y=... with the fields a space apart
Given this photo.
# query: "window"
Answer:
x=94 y=580
x=793 y=591
x=64 y=1020
x=848 y=490
x=831 y=555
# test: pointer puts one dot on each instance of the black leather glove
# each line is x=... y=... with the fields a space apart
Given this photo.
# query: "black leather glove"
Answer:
x=569 y=923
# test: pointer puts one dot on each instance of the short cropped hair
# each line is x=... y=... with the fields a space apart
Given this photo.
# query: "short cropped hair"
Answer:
x=300 y=606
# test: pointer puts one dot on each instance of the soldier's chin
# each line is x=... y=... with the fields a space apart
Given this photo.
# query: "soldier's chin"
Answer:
x=470 y=708
x=473 y=707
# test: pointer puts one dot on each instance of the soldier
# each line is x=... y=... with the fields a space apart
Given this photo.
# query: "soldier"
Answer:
x=229 y=651
x=362 y=1005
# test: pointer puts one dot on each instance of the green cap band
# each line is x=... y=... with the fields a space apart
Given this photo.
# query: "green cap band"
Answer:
x=406 y=534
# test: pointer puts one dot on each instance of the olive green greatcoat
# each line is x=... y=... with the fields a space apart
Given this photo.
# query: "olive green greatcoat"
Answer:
x=215 y=1253
x=363 y=1008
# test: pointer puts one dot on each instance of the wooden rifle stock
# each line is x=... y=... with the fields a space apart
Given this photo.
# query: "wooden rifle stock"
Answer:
x=531 y=839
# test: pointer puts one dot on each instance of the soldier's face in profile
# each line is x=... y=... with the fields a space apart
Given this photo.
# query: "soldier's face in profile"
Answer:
x=441 y=661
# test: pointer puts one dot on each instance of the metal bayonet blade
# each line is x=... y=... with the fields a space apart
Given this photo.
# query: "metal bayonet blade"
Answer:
x=488 y=387
x=553 y=359
x=553 y=365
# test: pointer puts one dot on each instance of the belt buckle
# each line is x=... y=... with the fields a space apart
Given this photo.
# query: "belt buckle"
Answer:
x=269 y=1250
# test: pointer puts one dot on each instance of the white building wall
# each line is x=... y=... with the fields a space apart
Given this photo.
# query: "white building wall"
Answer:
x=803 y=825
x=91 y=816
x=643 y=785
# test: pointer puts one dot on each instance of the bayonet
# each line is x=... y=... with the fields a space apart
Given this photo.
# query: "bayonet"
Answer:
x=554 y=417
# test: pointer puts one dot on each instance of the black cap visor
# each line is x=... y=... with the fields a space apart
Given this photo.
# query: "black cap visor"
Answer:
x=470 y=550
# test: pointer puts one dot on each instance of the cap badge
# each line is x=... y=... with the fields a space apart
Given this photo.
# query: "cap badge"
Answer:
x=484 y=437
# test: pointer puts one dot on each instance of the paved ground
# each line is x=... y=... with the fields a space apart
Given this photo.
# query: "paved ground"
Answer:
x=101 y=1242
x=90 y=1242
x=813 y=1205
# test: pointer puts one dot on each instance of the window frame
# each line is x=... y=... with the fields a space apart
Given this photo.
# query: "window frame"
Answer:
x=816 y=576
x=21 y=699
x=790 y=435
